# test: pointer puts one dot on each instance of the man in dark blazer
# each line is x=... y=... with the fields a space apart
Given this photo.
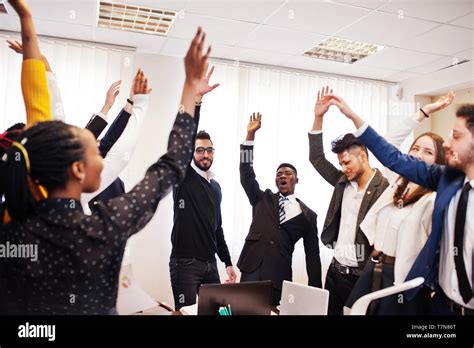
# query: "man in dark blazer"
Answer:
x=279 y=221
x=446 y=261
x=356 y=188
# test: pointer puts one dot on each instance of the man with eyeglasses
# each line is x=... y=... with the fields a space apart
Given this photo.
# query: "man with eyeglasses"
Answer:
x=197 y=231
x=279 y=221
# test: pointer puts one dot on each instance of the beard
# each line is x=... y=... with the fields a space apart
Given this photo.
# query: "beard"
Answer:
x=201 y=166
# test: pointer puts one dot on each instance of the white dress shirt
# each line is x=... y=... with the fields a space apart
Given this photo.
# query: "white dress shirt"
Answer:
x=292 y=207
x=345 y=251
x=448 y=279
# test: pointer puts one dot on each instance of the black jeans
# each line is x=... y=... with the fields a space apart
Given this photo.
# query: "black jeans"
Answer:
x=339 y=286
x=187 y=274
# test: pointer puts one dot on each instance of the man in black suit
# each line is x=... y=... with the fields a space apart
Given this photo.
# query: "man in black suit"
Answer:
x=279 y=221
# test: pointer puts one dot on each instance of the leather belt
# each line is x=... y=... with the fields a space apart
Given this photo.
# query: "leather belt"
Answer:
x=380 y=257
x=345 y=269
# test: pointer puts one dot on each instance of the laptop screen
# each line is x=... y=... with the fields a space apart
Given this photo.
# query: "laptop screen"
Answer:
x=249 y=298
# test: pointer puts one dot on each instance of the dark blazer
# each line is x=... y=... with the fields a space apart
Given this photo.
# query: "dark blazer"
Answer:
x=115 y=131
x=444 y=180
x=96 y=125
x=337 y=179
x=266 y=244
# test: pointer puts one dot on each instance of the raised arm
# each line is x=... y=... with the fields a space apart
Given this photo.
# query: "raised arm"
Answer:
x=121 y=152
x=316 y=150
x=114 y=132
x=247 y=174
x=57 y=107
x=398 y=134
x=33 y=73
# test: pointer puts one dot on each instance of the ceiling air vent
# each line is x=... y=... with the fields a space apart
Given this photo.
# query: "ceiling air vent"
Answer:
x=455 y=63
x=341 y=50
x=135 y=18
x=3 y=9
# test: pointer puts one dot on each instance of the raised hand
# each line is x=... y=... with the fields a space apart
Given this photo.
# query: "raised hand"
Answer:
x=443 y=102
x=195 y=66
x=140 y=84
x=255 y=122
x=195 y=62
x=110 y=97
x=322 y=102
x=346 y=110
x=204 y=87
x=16 y=46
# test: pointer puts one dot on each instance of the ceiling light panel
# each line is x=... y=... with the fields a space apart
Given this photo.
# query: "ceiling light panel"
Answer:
x=135 y=18
x=341 y=50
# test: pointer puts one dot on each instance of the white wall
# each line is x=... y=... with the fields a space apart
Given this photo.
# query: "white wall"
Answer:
x=443 y=120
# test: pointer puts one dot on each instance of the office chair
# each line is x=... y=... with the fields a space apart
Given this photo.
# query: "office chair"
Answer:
x=360 y=306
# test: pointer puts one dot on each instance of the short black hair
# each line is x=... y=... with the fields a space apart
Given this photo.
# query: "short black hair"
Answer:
x=346 y=143
x=203 y=135
x=466 y=111
x=289 y=166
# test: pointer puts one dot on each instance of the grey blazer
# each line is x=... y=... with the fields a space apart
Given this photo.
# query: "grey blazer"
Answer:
x=337 y=179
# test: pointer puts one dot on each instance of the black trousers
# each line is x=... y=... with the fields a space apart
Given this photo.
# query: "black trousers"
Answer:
x=187 y=274
x=340 y=286
x=396 y=304
x=256 y=276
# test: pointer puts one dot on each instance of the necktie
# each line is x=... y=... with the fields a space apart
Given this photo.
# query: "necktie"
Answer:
x=459 y=227
x=281 y=208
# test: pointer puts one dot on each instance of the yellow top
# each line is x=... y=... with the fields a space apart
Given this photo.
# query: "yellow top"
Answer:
x=35 y=91
x=37 y=103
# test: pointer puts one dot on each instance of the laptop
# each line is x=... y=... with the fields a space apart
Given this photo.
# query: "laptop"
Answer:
x=249 y=298
x=298 y=299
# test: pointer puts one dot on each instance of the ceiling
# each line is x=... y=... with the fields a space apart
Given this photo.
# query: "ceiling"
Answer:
x=420 y=36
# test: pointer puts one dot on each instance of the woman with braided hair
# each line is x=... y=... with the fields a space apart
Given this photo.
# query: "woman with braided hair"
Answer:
x=78 y=259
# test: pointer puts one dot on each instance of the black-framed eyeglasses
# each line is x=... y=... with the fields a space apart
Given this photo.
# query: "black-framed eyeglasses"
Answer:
x=200 y=150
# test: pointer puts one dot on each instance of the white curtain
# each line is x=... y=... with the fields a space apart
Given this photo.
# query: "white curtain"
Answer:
x=286 y=99
x=84 y=74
